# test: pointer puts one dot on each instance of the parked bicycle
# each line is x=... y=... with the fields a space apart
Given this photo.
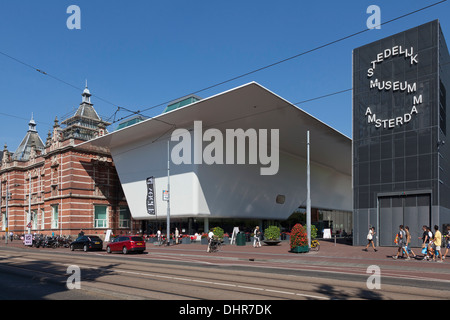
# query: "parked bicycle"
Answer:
x=315 y=245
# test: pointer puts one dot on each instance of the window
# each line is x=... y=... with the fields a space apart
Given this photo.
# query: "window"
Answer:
x=100 y=219
x=55 y=217
x=34 y=221
x=42 y=219
x=124 y=217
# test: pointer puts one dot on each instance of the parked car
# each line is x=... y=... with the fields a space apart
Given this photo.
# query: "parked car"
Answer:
x=87 y=243
x=126 y=244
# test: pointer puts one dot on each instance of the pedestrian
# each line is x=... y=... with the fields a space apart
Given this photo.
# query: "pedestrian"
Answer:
x=81 y=233
x=437 y=241
x=370 y=238
x=177 y=234
x=256 y=237
x=429 y=244
x=210 y=239
x=401 y=243
x=11 y=236
x=408 y=242
x=424 y=240
x=447 y=236
x=158 y=234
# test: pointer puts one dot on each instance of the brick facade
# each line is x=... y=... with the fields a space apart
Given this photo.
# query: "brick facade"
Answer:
x=70 y=189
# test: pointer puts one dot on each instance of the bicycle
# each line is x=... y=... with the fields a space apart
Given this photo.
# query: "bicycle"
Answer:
x=315 y=245
x=215 y=246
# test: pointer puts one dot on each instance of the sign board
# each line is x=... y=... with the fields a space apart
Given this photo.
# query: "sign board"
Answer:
x=327 y=233
x=28 y=240
x=233 y=236
x=151 y=209
x=108 y=235
x=29 y=225
x=165 y=195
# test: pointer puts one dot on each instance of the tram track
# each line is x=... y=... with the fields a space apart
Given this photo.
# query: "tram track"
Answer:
x=129 y=277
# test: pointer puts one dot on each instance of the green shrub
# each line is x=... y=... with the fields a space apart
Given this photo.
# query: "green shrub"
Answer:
x=272 y=233
x=313 y=231
x=218 y=232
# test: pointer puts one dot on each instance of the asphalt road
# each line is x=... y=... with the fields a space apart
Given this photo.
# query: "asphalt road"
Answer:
x=29 y=273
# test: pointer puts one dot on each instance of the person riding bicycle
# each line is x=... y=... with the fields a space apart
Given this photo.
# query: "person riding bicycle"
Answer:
x=210 y=239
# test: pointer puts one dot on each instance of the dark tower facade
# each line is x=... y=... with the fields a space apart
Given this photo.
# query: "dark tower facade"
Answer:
x=401 y=154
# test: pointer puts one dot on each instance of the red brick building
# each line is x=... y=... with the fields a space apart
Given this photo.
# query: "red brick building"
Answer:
x=57 y=187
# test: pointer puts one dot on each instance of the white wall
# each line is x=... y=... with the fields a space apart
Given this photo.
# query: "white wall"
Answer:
x=225 y=190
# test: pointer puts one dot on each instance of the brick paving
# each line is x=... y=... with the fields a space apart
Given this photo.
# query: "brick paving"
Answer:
x=332 y=256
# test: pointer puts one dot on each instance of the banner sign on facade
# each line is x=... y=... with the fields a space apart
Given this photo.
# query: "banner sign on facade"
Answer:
x=151 y=210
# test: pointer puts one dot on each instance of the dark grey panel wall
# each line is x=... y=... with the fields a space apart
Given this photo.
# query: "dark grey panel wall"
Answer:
x=398 y=121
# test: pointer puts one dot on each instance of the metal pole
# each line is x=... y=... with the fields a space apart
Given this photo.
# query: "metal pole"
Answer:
x=29 y=204
x=6 y=214
x=168 y=192
x=308 y=193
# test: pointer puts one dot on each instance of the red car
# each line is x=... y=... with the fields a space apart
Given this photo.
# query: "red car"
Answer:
x=126 y=244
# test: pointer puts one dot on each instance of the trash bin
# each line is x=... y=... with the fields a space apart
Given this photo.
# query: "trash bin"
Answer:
x=240 y=239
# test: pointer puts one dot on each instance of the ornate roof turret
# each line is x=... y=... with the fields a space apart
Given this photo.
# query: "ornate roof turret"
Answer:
x=31 y=140
x=84 y=124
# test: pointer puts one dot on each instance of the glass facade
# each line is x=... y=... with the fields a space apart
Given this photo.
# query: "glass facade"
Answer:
x=399 y=123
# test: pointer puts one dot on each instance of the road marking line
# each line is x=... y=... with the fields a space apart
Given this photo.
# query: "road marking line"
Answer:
x=251 y=288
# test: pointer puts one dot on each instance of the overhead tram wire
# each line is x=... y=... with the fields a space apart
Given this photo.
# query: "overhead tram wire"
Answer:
x=73 y=86
x=301 y=54
x=231 y=79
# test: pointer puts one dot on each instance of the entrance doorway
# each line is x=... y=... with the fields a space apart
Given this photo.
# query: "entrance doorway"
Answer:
x=413 y=211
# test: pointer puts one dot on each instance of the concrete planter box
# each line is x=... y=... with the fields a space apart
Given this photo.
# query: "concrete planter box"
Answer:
x=186 y=240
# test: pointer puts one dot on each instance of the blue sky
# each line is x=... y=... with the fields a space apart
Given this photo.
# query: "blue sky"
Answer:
x=138 y=54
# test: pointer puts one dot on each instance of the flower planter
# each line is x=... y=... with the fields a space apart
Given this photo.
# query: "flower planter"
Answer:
x=186 y=240
x=300 y=249
x=226 y=240
x=271 y=242
x=204 y=241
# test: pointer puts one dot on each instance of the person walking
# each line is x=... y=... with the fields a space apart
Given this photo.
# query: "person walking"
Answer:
x=158 y=235
x=401 y=243
x=408 y=242
x=370 y=238
x=256 y=237
x=447 y=236
x=177 y=235
x=437 y=243
x=429 y=244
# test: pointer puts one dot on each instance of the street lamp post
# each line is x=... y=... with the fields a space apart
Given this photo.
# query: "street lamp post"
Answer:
x=168 y=192
x=308 y=192
x=6 y=214
x=29 y=204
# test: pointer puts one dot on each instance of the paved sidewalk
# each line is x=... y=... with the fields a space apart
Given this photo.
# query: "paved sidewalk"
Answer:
x=331 y=257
